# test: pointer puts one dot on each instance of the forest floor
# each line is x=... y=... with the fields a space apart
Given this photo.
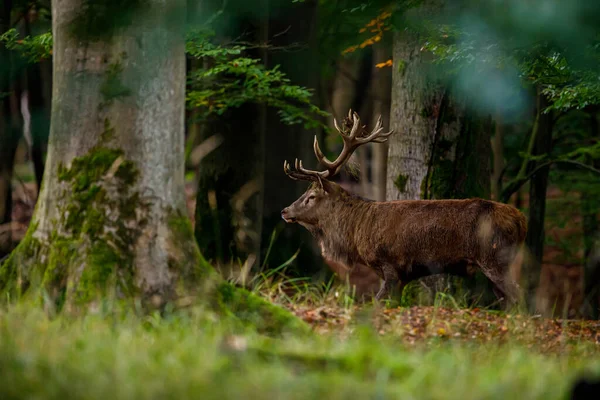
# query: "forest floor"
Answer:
x=423 y=324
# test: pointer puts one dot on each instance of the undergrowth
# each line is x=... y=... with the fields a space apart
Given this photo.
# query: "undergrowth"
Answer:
x=193 y=354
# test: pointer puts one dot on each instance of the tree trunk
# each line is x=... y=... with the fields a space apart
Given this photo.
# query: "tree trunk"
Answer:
x=460 y=157
x=537 y=199
x=381 y=81
x=416 y=101
x=111 y=213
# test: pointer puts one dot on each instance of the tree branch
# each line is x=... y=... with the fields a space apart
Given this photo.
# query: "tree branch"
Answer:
x=516 y=184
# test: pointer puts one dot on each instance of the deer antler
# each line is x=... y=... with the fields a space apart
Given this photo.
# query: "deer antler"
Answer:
x=351 y=142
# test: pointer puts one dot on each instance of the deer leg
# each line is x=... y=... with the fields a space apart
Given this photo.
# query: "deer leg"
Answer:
x=506 y=290
x=390 y=281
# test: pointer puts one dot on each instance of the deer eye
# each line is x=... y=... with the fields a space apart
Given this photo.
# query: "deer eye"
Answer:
x=311 y=197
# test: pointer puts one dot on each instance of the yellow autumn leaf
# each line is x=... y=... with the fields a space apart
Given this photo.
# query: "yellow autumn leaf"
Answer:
x=387 y=63
x=350 y=49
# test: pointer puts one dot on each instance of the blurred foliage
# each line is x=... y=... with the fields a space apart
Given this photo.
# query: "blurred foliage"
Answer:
x=498 y=62
x=33 y=48
x=227 y=78
x=349 y=27
x=565 y=86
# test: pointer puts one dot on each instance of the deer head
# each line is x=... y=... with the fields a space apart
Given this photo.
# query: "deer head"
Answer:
x=320 y=198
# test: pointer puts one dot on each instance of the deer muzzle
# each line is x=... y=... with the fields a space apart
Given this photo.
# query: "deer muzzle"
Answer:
x=285 y=214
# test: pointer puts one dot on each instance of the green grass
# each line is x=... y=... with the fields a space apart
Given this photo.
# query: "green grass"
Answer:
x=193 y=354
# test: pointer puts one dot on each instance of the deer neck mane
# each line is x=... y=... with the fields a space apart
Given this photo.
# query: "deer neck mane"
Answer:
x=336 y=233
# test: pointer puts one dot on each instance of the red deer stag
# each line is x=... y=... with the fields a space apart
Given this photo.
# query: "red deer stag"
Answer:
x=406 y=239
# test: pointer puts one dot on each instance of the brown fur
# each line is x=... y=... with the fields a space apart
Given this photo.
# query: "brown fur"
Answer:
x=405 y=240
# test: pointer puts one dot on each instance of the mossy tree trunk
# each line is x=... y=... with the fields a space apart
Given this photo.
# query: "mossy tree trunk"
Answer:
x=111 y=212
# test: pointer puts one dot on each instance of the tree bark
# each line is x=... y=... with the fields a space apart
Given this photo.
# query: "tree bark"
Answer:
x=459 y=166
x=537 y=200
x=381 y=81
x=416 y=101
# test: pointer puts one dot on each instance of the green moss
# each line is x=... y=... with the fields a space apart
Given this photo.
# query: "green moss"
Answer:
x=90 y=167
x=85 y=209
x=113 y=87
x=97 y=185
x=401 y=66
x=11 y=282
x=56 y=270
x=127 y=173
x=255 y=311
x=108 y=133
x=182 y=231
x=412 y=294
x=400 y=182
x=100 y=272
